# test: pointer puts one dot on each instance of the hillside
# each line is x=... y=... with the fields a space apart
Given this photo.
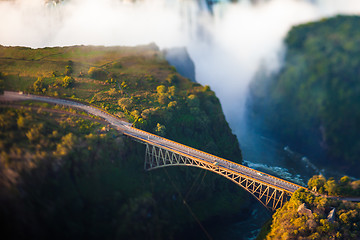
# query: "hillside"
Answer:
x=310 y=216
x=307 y=216
x=64 y=176
x=132 y=83
x=312 y=104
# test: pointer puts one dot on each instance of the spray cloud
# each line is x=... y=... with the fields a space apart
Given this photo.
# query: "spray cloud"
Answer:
x=227 y=46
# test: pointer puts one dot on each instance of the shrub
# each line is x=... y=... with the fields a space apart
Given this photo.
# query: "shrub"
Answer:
x=112 y=92
x=124 y=85
x=146 y=114
x=172 y=79
x=193 y=101
x=206 y=88
x=172 y=104
x=161 y=89
x=21 y=122
x=68 y=70
x=97 y=73
x=317 y=183
x=136 y=114
x=172 y=90
x=331 y=187
x=66 y=145
x=68 y=82
x=125 y=103
x=38 y=85
x=163 y=99
x=160 y=129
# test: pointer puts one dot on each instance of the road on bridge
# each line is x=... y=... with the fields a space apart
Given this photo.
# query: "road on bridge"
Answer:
x=145 y=137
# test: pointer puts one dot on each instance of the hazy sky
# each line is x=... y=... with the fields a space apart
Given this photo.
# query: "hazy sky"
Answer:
x=227 y=47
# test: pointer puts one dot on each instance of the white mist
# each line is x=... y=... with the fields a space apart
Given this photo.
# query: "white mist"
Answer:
x=227 y=45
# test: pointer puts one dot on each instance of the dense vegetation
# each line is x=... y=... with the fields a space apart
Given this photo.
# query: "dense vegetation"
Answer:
x=62 y=176
x=309 y=216
x=314 y=220
x=312 y=104
x=343 y=187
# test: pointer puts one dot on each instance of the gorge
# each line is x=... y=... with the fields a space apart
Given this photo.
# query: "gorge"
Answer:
x=238 y=50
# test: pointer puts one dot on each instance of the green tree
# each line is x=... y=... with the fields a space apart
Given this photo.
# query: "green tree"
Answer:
x=206 y=88
x=193 y=101
x=125 y=103
x=124 y=85
x=39 y=85
x=160 y=129
x=317 y=183
x=163 y=99
x=331 y=187
x=112 y=92
x=66 y=145
x=172 y=90
x=33 y=134
x=172 y=104
x=345 y=180
x=161 y=89
x=68 y=70
x=68 y=82
x=97 y=73
x=21 y=122
x=172 y=78
x=355 y=185
x=345 y=187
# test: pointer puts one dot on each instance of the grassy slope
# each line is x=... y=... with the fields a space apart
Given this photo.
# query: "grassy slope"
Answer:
x=96 y=174
x=22 y=66
x=190 y=112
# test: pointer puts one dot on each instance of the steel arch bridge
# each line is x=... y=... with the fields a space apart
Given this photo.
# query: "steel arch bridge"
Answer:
x=272 y=197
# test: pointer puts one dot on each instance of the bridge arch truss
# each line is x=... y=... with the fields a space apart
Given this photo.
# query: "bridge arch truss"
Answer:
x=269 y=196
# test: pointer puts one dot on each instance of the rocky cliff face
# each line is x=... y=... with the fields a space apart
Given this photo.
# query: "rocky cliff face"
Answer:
x=180 y=59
